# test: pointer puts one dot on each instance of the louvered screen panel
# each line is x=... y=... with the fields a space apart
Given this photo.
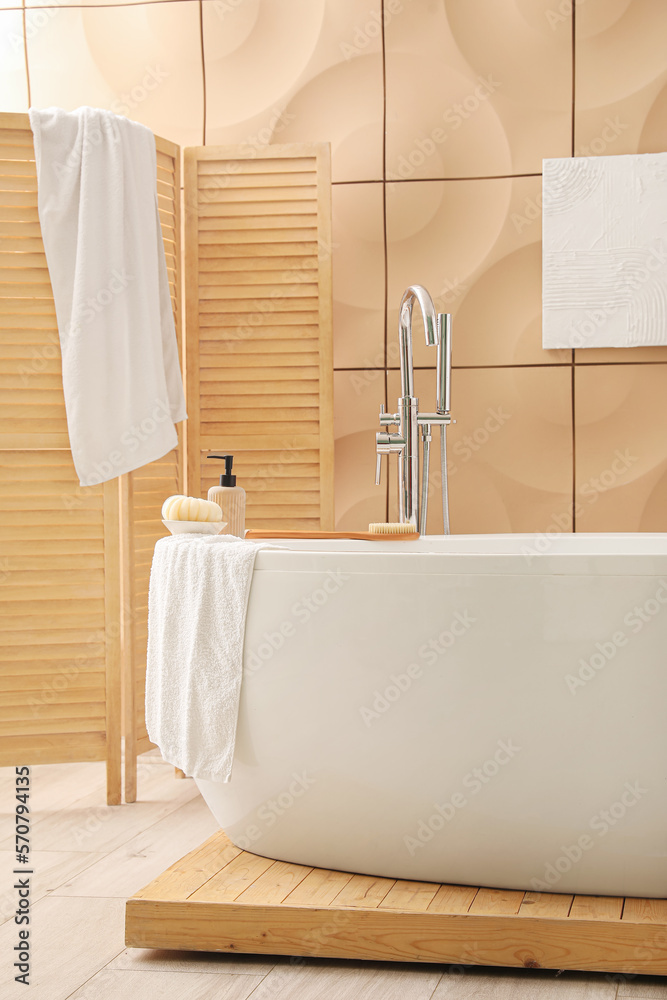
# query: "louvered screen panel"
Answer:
x=52 y=611
x=59 y=544
x=259 y=350
x=60 y=582
x=144 y=492
x=32 y=407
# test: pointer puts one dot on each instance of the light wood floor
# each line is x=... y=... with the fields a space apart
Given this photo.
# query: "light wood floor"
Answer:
x=89 y=858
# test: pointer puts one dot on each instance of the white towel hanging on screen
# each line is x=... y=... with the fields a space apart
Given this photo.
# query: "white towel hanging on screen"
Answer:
x=97 y=200
x=605 y=251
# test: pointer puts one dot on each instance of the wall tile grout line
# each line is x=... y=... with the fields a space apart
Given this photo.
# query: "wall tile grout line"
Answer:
x=98 y=6
x=528 y=364
x=203 y=70
x=476 y=177
x=573 y=380
x=25 y=53
x=378 y=180
x=384 y=236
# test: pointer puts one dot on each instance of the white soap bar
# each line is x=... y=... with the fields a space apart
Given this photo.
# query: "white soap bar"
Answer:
x=181 y=508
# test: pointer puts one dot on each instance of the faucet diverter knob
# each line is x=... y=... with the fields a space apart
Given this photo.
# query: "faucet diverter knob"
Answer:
x=388 y=418
x=386 y=444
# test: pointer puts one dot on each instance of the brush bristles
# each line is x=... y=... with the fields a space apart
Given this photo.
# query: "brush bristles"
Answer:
x=389 y=528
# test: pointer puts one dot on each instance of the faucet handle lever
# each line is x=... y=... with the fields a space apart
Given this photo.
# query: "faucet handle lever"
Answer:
x=378 y=468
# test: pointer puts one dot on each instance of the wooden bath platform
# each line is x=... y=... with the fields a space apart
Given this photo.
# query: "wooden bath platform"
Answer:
x=220 y=898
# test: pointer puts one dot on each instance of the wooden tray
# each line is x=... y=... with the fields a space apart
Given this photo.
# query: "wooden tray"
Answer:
x=220 y=898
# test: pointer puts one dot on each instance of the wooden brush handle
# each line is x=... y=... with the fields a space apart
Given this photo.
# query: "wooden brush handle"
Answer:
x=365 y=536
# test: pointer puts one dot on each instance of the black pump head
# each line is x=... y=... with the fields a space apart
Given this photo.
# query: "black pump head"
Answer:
x=227 y=479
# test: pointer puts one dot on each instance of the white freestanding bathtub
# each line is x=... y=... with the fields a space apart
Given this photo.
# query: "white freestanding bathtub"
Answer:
x=482 y=709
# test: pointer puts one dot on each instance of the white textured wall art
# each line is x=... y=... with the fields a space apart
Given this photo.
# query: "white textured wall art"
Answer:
x=605 y=251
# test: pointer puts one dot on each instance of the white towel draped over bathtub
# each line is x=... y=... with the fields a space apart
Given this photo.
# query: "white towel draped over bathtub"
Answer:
x=97 y=202
x=197 y=604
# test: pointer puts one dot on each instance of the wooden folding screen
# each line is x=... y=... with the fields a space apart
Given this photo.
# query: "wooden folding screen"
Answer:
x=59 y=544
x=259 y=327
x=75 y=563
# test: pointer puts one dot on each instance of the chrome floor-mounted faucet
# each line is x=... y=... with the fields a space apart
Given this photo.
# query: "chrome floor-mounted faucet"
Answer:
x=413 y=501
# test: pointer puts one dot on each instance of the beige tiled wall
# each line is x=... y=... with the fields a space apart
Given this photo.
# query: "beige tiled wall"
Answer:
x=439 y=113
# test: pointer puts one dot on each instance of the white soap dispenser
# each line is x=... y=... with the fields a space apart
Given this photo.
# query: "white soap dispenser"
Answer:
x=231 y=498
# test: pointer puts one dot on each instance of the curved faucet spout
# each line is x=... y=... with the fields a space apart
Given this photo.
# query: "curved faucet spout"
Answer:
x=414 y=293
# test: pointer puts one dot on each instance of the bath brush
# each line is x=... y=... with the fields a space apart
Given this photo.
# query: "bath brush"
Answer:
x=366 y=536
x=384 y=528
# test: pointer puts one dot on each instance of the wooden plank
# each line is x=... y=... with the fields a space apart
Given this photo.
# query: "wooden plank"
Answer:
x=596 y=908
x=645 y=911
x=91 y=709
x=144 y=492
x=325 y=243
x=47 y=748
x=453 y=899
x=503 y=902
x=126 y=527
x=405 y=895
x=545 y=904
x=184 y=877
x=394 y=936
x=191 y=161
x=319 y=888
x=364 y=891
x=274 y=884
x=234 y=878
